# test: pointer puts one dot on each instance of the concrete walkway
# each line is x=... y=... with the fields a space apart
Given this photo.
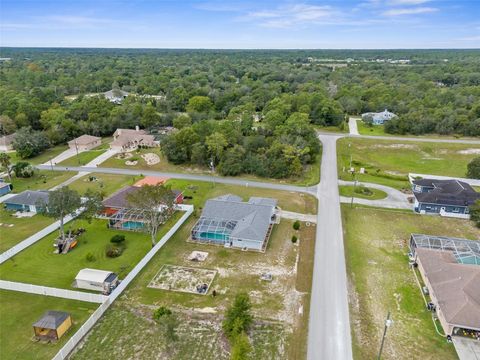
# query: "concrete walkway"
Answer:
x=472 y=182
x=467 y=349
x=352 y=126
x=94 y=163
x=298 y=216
x=329 y=324
x=67 y=154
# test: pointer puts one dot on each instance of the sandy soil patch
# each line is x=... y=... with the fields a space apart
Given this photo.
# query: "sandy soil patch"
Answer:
x=395 y=146
x=131 y=163
x=151 y=158
x=469 y=152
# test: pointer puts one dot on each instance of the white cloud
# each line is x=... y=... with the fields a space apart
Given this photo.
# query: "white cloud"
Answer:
x=294 y=15
x=409 y=11
x=408 y=2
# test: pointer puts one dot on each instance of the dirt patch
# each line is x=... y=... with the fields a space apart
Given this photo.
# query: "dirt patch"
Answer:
x=131 y=163
x=151 y=158
x=183 y=279
x=394 y=146
x=469 y=152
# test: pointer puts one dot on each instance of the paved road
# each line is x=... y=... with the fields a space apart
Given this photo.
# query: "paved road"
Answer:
x=329 y=325
x=312 y=190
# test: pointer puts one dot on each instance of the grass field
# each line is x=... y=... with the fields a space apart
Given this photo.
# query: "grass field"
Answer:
x=349 y=191
x=41 y=158
x=389 y=162
x=107 y=184
x=310 y=176
x=279 y=326
x=41 y=180
x=21 y=229
x=39 y=265
x=202 y=191
x=376 y=247
x=18 y=311
x=83 y=158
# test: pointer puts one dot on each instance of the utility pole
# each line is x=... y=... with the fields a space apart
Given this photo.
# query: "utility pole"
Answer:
x=353 y=192
x=212 y=166
x=76 y=148
x=388 y=323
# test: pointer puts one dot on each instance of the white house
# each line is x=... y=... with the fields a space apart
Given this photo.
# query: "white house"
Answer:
x=378 y=118
x=96 y=280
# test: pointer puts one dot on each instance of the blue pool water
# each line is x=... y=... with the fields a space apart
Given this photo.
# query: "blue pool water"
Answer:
x=132 y=225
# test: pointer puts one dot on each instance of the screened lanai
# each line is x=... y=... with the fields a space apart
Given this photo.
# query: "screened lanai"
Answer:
x=213 y=229
x=465 y=251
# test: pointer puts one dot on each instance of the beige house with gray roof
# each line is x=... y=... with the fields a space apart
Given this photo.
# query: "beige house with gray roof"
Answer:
x=85 y=142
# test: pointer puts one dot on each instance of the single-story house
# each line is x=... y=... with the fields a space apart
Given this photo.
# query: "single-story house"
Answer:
x=28 y=200
x=5 y=187
x=115 y=95
x=378 y=118
x=131 y=139
x=97 y=280
x=85 y=142
x=450 y=268
x=52 y=325
x=445 y=197
x=6 y=142
x=124 y=216
x=228 y=221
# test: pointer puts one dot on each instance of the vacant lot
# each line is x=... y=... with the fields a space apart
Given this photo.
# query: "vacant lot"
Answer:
x=39 y=265
x=14 y=230
x=41 y=180
x=182 y=278
x=376 y=244
x=389 y=162
x=310 y=176
x=18 y=311
x=106 y=184
x=200 y=191
x=82 y=158
x=279 y=331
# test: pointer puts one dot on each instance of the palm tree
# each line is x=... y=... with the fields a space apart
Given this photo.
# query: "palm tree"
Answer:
x=5 y=163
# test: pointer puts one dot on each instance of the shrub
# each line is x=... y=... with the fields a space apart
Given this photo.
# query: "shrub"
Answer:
x=23 y=169
x=238 y=317
x=117 y=239
x=296 y=225
x=294 y=239
x=113 y=251
x=90 y=257
x=473 y=169
x=161 y=312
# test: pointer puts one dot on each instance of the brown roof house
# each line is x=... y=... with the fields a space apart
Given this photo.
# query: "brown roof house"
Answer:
x=450 y=269
x=6 y=142
x=131 y=139
x=85 y=142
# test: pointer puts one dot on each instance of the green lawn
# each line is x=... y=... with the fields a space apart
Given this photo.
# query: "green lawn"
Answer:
x=280 y=332
x=39 y=265
x=310 y=176
x=18 y=311
x=389 y=162
x=107 y=184
x=376 y=247
x=202 y=191
x=41 y=158
x=349 y=191
x=83 y=158
x=22 y=228
x=42 y=180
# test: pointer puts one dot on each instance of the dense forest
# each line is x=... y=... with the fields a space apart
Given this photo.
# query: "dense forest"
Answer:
x=245 y=111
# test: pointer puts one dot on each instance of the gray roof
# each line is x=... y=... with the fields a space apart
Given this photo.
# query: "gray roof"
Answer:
x=29 y=197
x=7 y=140
x=251 y=219
x=52 y=320
x=447 y=192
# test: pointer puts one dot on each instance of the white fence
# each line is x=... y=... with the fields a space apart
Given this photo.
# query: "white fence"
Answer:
x=87 y=326
x=49 y=291
x=34 y=238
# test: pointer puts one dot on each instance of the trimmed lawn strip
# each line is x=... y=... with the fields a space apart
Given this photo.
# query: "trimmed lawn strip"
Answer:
x=106 y=184
x=310 y=176
x=349 y=191
x=22 y=228
x=376 y=247
x=18 y=311
x=202 y=191
x=41 y=158
x=41 y=180
x=83 y=158
x=388 y=162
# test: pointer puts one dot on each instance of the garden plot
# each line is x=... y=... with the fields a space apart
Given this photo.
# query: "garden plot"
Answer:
x=183 y=279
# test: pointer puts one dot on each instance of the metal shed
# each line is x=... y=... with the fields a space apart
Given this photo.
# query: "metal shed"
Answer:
x=96 y=280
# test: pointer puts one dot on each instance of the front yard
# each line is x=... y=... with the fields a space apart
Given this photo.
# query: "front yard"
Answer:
x=362 y=192
x=388 y=162
x=18 y=311
x=41 y=180
x=82 y=158
x=376 y=247
x=106 y=184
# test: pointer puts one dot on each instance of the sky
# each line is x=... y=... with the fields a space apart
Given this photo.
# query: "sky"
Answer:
x=334 y=24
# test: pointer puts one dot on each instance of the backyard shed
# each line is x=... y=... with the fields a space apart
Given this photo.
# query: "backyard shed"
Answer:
x=52 y=325
x=97 y=280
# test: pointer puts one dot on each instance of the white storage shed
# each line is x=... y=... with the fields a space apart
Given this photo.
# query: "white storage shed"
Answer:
x=97 y=280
